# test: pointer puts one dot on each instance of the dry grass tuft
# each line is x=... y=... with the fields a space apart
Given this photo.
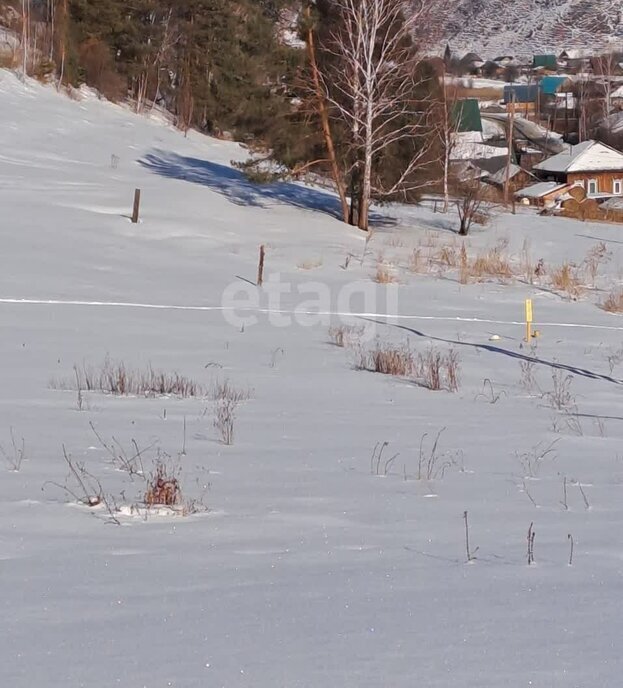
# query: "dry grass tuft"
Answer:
x=437 y=370
x=345 y=335
x=595 y=257
x=384 y=275
x=447 y=256
x=224 y=389
x=613 y=302
x=394 y=241
x=429 y=240
x=416 y=262
x=115 y=378
x=227 y=398
x=491 y=263
x=387 y=359
x=566 y=280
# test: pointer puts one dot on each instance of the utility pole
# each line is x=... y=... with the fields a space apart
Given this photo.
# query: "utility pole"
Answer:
x=509 y=159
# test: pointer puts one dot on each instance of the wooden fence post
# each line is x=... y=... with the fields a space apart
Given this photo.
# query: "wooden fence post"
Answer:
x=260 y=267
x=137 y=205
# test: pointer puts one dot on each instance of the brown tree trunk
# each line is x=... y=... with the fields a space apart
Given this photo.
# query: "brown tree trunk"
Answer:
x=324 y=117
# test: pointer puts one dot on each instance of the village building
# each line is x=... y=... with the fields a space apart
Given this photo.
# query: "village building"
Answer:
x=616 y=98
x=594 y=166
x=516 y=177
x=521 y=98
x=548 y=63
x=472 y=64
x=576 y=59
x=543 y=194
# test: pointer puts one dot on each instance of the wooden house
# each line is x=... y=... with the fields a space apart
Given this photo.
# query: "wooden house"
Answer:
x=518 y=178
x=576 y=59
x=593 y=165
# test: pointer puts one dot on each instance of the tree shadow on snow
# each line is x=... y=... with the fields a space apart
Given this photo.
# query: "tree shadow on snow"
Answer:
x=233 y=184
x=574 y=370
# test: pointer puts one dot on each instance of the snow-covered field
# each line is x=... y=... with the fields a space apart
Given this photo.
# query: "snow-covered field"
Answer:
x=308 y=570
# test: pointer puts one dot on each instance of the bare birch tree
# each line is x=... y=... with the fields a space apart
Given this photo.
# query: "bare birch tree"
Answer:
x=370 y=85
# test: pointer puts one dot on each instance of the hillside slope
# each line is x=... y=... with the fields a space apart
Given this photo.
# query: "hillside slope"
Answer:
x=318 y=564
x=525 y=27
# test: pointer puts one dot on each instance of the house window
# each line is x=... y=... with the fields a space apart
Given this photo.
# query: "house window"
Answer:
x=592 y=187
x=617 y=187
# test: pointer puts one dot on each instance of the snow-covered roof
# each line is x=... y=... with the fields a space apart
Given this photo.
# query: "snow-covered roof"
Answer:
x=466 y=170
x=471 y=145
x=541 y=189
x=576 y=54
x=618 y=93
x=589 y=156
x=613 y=204
x=500 y=176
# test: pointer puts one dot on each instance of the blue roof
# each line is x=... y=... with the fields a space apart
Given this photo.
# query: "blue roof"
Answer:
x=522 y=94
x=551 y=84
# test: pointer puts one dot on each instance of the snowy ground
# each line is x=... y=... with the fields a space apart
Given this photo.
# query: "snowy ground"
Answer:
x=307 y=571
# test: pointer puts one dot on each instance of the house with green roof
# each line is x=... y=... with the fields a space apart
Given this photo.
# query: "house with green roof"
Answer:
x=545 y=62
x=466 y=115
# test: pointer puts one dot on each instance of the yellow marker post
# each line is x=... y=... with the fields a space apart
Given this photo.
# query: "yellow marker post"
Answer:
x=528 y=320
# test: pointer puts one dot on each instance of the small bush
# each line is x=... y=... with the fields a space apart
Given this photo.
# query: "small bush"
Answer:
x=595 y=258
x=9 y=60
x=561 y=397
x=163 y=486
x=227 y=399
x=224 y=419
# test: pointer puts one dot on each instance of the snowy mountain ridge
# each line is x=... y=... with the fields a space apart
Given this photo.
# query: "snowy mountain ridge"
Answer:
x=525 y=27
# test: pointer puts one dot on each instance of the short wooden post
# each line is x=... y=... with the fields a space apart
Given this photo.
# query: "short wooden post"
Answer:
x=137 y=205
x=260 y=267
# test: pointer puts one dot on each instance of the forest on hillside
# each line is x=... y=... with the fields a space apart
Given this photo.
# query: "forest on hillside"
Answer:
x=217 y=65
x=340 y=88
